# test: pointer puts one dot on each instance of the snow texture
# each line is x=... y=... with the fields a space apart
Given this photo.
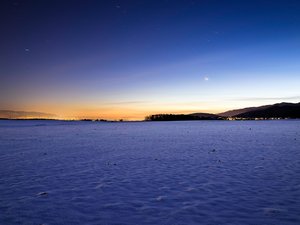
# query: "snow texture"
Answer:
x=196 y=172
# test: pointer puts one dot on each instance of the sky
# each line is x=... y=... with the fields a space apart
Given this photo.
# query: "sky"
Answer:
x=126 y=59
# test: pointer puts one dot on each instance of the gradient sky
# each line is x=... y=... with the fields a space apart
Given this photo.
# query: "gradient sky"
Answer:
x=128 y=59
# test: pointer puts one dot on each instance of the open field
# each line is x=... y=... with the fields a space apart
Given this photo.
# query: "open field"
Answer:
x=188 y=172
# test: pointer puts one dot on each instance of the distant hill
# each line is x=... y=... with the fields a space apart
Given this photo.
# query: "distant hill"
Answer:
x=9 y=114
x=235 y=112
x=280 y=110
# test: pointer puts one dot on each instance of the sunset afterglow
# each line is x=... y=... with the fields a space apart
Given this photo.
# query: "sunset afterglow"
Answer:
x=102 y=59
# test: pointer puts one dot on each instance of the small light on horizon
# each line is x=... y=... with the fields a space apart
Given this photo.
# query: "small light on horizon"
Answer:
x=206 y=78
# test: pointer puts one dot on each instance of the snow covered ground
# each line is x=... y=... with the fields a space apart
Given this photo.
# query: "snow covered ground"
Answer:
x=196 y=172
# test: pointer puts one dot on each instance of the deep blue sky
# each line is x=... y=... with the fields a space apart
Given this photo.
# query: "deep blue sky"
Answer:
x=131 y=58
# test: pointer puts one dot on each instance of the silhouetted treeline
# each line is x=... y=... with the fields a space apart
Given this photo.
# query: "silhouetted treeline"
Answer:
x=176 y=117
x=96 y=120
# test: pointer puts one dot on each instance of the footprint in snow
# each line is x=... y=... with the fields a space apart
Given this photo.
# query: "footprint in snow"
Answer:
x=273 y=211
x=160 y=198
x=42 y=194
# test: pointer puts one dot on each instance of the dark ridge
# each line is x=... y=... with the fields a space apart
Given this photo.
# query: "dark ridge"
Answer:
x=280 y=110
x=235 y=112
x=276 y=111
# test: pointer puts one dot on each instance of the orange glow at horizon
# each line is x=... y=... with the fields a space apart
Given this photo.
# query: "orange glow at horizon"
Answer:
x=130 y=110
x=113 y=112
